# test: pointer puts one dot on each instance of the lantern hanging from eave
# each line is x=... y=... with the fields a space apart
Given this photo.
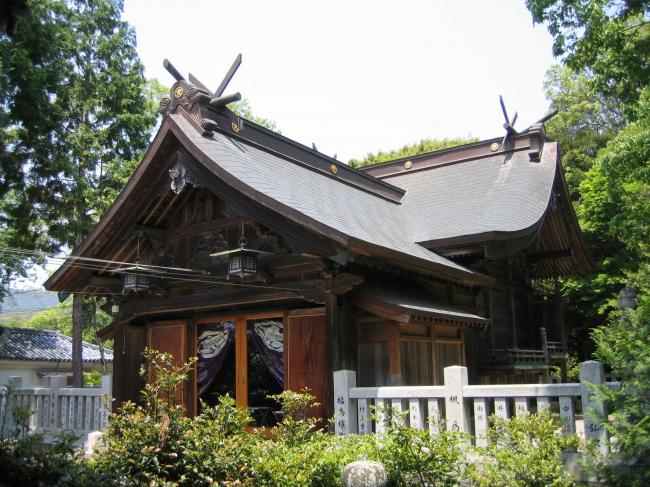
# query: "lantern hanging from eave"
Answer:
x=137 y=278
x=242 y=262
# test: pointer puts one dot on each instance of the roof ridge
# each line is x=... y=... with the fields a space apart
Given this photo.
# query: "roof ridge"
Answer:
x=34 y=331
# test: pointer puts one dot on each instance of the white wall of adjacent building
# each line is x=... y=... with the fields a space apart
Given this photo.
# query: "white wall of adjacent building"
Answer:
x=34 y=372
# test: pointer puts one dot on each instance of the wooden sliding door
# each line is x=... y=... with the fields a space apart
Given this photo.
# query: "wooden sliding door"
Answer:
x=306 y=356
x=172 y=337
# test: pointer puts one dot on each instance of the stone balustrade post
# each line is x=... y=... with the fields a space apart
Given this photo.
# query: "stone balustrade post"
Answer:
x=457 y=411
x=592 y=374
x=345 y=409
x=56 y=408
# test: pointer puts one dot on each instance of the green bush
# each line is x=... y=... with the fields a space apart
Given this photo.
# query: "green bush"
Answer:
x=27 y=461
x=624 y=344
x=523 y=451
x=415 y=457
x=301 y=453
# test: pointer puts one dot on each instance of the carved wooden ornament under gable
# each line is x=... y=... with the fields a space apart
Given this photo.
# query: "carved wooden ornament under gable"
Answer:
x=180 y=175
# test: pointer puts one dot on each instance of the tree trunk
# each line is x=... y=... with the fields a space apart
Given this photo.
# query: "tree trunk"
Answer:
x=77 y=327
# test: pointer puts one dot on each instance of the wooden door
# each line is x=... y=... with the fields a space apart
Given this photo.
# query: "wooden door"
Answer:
x=130 y=342
x=172 y=337
x=306 y=356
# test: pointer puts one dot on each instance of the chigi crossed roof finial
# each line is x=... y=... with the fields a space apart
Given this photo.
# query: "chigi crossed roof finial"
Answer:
x=216 y=98
x=187 y=93
x=508 y=125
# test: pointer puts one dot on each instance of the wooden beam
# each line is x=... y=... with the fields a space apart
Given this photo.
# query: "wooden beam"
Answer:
x=204 y=227
x=111 y=283
x=553 y=254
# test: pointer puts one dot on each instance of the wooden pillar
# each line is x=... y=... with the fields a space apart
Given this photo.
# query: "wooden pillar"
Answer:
x=513 y=315
x=333 y=352
x=394 y=354
x=241 y=361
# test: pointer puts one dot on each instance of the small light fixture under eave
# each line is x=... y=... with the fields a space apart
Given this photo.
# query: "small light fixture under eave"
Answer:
x=115 y=309
x=136 y=279
x=242 y=262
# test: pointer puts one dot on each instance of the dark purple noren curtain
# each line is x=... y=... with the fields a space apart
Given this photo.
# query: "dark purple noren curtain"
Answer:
x=214 y=342
x=267 y=337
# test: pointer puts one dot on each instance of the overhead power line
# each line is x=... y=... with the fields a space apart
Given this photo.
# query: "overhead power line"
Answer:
x=114 y=267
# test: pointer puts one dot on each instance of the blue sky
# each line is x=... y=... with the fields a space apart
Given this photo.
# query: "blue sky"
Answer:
x=358 y=76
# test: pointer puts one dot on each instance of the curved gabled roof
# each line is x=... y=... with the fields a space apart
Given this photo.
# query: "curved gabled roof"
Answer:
x=499 y=194
x=318 y=200
x=348 y=215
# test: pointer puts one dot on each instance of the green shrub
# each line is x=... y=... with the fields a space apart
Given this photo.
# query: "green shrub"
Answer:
x=145 y=444
x=415 y=457
x=624 y=344
x=301 y=453
x=523 y=451
x=27 y=461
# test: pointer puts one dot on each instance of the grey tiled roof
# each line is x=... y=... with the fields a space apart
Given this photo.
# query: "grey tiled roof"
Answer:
x=417 y=302
x=503 y=193
x=43 y=345
x=341 y=207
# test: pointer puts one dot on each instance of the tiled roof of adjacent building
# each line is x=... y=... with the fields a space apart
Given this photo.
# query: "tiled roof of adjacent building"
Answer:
x=43 y=345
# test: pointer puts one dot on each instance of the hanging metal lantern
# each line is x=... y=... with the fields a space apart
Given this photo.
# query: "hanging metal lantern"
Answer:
x=242 y=262
x=135 y=281
x=137 y=278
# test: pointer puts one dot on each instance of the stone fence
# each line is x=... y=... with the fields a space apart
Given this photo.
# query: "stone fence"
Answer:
x=466 y=408
x=51 y=410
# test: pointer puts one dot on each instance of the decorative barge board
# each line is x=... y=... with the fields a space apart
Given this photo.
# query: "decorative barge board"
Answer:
x=397 y=270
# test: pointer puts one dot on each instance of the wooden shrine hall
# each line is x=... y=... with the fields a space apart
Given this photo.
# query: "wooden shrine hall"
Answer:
x=275 y=264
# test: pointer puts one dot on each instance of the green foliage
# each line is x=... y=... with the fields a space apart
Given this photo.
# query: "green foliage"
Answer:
x=244 y=110
x=608 y=38
x=74 y=121
x=143 y=444
x=300 y=454
x=585 y=122
x=415 y=457
x=26 y=461
x=409 y=150
x=523 y=451
x=624 y=344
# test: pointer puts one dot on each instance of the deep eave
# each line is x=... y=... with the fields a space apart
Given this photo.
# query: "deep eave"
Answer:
x=168 y=141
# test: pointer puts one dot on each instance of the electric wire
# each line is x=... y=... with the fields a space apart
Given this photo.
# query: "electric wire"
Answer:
x=103 y=265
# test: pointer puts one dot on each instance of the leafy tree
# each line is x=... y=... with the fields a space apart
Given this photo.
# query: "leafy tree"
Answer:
x=75 y=121
x=243 y=109
x=585 y=122
x=424 y=146
x=625 y=346
x=607 y=38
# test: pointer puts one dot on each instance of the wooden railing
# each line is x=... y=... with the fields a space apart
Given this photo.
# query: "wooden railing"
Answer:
x=466 y=408
x=51 y=410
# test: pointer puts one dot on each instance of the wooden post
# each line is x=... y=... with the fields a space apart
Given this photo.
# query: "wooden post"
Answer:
x=345 y=416
x=456 y=410
x=241 y=361
x=592 y=372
